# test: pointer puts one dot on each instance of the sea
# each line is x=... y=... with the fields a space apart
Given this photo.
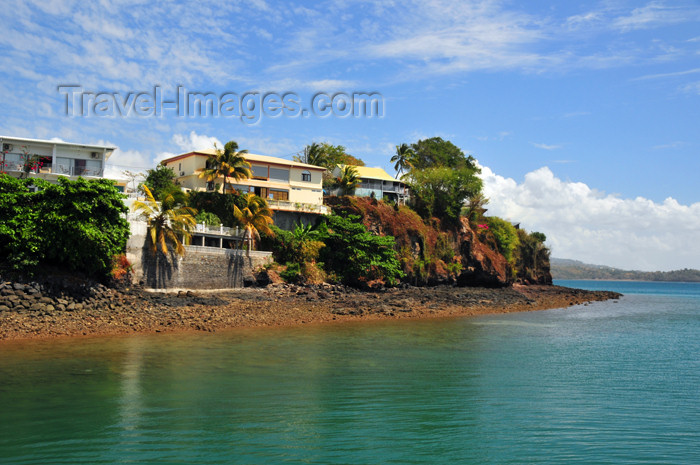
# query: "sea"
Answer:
x=614 y=382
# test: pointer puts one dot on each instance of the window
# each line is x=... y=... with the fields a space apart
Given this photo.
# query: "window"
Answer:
x=279 y=174
x=259 y=171
x=278 y=194
x=306 y=176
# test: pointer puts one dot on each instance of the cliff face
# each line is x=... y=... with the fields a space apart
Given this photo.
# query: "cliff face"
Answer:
x=429 y=254
x=482 y=265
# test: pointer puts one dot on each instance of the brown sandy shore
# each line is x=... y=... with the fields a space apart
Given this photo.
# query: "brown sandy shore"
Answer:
x=139 y=311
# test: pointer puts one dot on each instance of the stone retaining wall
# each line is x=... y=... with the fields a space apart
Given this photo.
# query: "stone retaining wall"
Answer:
x=200 y=268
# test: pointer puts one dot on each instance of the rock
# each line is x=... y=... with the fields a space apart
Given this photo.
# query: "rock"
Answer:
x=49 y=308
x=4 y=308
x=482 y=266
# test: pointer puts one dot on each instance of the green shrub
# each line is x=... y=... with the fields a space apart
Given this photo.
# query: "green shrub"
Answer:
x=77 y=225
x=355 y=254
x=506 y=236
x=208 y=218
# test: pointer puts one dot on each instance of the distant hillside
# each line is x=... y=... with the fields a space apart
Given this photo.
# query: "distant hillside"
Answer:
x=573 y=269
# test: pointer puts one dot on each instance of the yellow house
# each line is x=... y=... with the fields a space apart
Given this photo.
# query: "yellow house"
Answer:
x=287 y=185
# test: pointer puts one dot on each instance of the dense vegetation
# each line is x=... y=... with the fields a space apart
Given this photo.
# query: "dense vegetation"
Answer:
x=345 y=249
x=75 y=225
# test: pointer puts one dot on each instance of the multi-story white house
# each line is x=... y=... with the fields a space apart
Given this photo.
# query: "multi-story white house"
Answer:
x=287 y=185
x=48 y=159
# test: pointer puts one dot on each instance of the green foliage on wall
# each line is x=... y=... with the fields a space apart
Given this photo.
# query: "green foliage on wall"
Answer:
x=77 y=225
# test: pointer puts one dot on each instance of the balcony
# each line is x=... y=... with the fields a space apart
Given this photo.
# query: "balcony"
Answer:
x=284 y=205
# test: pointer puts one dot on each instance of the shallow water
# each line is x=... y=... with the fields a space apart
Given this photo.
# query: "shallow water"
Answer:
x=603 y=383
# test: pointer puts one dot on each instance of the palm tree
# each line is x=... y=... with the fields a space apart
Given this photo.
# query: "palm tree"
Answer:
x=229 y=163
x=402 y=159
x=314 y=154
x=255 y=216
x=349 y=180
x=168 y=220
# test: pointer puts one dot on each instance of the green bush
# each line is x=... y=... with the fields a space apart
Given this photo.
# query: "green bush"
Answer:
x=356 y=255
x=207 y=218
x=77 y=225
x=218 y=204
x=506 y=236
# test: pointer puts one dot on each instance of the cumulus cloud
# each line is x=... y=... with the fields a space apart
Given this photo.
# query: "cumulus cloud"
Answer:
x=194 y=141
x=589 y=225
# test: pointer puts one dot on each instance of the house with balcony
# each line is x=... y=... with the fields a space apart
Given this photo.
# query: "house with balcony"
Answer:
x=377 y=183
x=49 y=159
x=293 y=190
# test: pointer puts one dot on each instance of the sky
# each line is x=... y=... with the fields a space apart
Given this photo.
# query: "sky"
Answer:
x=583 y=115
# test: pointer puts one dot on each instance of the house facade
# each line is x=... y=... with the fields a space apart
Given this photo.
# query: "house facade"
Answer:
x=378 y=183
x=286 y=185
x=49 y=160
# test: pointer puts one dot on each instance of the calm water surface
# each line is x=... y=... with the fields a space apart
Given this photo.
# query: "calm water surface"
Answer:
x=613 y=382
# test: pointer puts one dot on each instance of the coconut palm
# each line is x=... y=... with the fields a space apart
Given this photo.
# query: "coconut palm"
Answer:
x=169 y=221
x=314 y=154
x=227 y=163
x=402 y=159
x=349 y=180
x=255 y=216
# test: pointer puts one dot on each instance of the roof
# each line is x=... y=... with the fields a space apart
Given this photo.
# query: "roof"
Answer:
x=251 y=157
x=373 y=173
x=57 y=142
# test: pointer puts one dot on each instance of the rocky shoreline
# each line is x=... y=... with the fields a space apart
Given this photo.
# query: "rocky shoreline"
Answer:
x=42 y=311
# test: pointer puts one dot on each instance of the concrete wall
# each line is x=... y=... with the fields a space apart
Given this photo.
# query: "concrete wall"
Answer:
x=200 y=268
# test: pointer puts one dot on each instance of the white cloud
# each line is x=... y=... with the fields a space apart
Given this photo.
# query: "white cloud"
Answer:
x=195 y=141
x=588 y=225
x=655 y=14
x=546 y=146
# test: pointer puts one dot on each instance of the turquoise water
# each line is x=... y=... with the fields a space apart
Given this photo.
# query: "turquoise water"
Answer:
x=602 y=383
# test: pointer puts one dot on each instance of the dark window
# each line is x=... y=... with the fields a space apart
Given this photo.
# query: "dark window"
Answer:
x=306 y=176
x=279 y=174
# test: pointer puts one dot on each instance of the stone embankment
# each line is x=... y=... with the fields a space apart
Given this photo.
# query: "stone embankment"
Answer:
x=41 y=310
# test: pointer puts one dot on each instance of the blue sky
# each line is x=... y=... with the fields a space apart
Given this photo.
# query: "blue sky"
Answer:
x=584 y=115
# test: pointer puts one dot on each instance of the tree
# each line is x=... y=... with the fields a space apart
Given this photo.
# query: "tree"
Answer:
x=169 y=221
x=255 y=216
x=76 y=225
x=355 y=254
x=474 y=210
x=441 y=191
x=506 y=236
x=132 y=177
x=532 y=253
x=160 y=180
x=402 y=159
x=441 y=179
x=349 y=180
x=217 y=203
x=227 y=163
x=436 y=152
x=313 y=154
x=327 y=155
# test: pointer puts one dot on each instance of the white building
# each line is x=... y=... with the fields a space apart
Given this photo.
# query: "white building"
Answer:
x=49 y=160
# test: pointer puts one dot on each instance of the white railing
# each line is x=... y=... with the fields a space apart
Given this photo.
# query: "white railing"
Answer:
x=298 y=206
x=220 y=230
